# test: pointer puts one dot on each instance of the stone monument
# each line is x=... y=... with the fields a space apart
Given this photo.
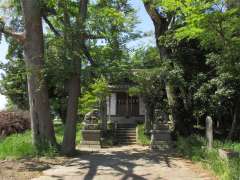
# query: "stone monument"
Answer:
x=160 y=135
x=91 y=133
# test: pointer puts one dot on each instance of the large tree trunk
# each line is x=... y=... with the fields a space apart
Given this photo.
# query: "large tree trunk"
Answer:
x=161 y=24
x=149 y=118
x=103 y=113
x=68 y=146
x=42 y=126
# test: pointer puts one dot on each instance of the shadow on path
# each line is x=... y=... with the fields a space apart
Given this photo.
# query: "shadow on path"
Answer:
x=122 y=162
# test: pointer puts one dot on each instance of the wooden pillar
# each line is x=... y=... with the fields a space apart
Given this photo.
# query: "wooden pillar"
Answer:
x=209 y=132
x=109 y=108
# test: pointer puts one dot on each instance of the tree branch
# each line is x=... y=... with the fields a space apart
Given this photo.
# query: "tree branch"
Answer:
x=56 y=32
x=87 y=54
x=160 y=21
x=20 y=37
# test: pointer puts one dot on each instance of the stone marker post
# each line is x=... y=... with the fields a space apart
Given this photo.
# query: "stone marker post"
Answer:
x=209 y=132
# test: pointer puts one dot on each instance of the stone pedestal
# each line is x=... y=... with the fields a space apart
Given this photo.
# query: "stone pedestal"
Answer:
x=161 y=138
x=91 y=139
x=91 y=133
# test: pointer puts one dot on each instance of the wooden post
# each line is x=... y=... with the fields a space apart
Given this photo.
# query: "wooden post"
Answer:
x=209 y=132
x=109 y=108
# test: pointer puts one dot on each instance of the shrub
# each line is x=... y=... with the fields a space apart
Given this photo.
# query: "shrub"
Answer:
x=142 y=138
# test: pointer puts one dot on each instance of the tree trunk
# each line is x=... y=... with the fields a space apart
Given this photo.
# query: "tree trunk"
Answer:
x=234 y=122
x=161 y=24
x=103 y=112
x=68 y=146
x=42 y=126
x=188 y=110
x=147 y=122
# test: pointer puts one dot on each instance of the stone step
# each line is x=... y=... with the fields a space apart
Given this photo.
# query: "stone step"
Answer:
x=126 y=139
x=126 y=126
x=126 y=132
x=127 y=142
x=126 y=136
x=126 y=129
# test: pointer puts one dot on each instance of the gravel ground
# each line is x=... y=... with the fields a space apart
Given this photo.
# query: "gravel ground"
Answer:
x=125 y=163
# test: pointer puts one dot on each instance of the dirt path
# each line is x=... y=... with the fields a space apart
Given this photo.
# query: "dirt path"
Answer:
x=125 y=163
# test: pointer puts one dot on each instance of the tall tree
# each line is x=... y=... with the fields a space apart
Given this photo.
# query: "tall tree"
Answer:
x=68 y=145
x=32 y=40
x=165 y=20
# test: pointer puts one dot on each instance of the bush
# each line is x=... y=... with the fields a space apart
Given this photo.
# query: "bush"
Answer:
x=142 y=138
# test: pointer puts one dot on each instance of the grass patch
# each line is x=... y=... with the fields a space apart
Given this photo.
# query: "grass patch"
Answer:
x=20 y=145
x=16 y=146
x=59 y=131
x=142 y=138
x=194 y=148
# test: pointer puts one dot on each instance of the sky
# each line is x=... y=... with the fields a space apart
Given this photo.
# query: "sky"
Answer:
x=145 y=25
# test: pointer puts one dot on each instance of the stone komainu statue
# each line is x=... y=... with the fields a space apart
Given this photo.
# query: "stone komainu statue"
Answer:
x=92 y=120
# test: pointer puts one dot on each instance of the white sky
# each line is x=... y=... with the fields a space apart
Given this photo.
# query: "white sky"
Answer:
x=145 y=26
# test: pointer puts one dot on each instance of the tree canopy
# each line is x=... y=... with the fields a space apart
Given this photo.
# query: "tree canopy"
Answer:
x=192 y=72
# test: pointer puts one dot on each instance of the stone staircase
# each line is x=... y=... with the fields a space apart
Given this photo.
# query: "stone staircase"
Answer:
x=126 y=134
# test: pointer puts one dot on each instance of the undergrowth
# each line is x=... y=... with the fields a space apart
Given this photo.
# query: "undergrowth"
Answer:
x=194 y=148
x=142 y=138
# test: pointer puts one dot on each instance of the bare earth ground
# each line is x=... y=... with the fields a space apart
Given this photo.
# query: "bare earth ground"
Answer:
x=121 y=163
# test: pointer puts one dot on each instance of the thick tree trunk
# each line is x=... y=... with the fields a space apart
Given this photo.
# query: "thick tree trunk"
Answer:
x=147 y=122
x=68 y=146
x=42 y=126
x=161 y=24
x=172 y=101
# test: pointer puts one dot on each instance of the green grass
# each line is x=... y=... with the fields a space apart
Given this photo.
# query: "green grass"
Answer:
x=20 y=145
x=16 y=146
x=194 y=148
x=59 y=132
x=142 y=138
